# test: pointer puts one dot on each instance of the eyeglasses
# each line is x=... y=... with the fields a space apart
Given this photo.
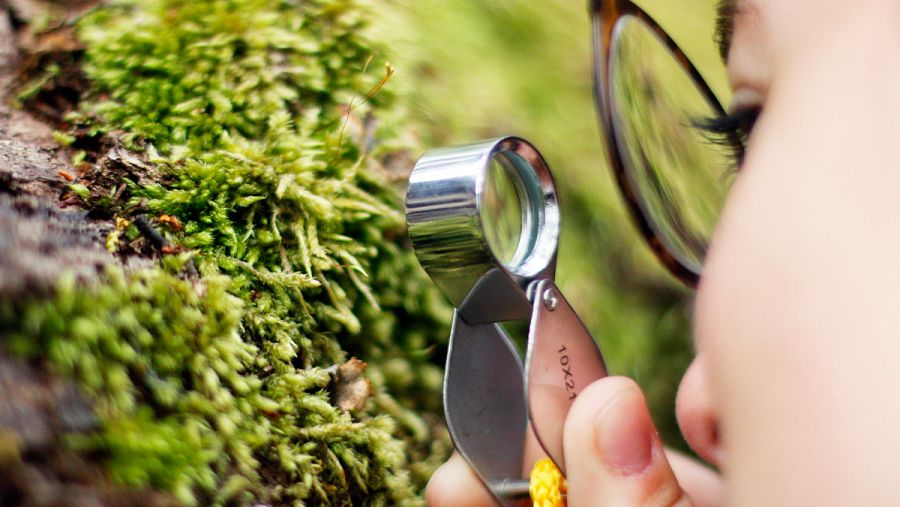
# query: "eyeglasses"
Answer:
x=653 y=104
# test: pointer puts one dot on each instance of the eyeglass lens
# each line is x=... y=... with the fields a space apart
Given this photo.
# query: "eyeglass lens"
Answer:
x=680 y=174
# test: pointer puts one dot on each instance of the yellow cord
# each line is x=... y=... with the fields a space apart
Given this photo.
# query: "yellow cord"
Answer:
x=547 y=485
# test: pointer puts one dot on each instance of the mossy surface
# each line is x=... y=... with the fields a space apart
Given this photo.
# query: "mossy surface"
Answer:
x=281 y=256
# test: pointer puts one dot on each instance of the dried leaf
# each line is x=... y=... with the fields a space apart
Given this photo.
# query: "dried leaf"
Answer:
x=351 y=388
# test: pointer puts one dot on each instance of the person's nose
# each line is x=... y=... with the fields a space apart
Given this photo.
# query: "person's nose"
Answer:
x=696 y=414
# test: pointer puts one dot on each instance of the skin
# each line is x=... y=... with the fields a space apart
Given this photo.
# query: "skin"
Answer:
x=793 y=394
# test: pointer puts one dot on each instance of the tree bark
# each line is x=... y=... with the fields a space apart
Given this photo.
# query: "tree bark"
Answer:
x=43 y=236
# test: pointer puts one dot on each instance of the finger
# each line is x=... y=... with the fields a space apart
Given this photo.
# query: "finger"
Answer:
x=613 y=454
x=702 y=484
x=455 y=484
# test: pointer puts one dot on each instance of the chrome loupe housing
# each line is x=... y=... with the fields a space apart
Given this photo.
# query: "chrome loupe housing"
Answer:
x=451 y=233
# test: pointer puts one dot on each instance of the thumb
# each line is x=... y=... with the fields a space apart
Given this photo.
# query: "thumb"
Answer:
x=613 y=454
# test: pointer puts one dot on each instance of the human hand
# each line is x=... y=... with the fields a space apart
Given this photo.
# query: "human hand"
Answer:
x=613 y=457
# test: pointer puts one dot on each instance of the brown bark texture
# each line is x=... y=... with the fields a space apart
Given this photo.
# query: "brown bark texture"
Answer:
x=44 y=233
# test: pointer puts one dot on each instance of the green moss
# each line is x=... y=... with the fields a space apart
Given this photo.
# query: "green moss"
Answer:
x=238 y=102
x=214 y=389
x=183 y=411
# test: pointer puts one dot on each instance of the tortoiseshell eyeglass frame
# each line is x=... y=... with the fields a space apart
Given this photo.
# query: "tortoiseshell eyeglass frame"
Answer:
x=606 y=16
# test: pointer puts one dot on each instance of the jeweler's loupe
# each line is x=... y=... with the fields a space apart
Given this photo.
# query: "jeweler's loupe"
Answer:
x=484 y=222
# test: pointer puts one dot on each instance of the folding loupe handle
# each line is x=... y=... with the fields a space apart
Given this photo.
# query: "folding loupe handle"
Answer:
x=484 y=222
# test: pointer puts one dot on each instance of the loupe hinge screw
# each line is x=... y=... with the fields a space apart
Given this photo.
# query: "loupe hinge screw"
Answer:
x=550 y=299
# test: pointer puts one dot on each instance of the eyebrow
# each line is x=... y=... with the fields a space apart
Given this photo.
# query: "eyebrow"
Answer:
x=725 y=26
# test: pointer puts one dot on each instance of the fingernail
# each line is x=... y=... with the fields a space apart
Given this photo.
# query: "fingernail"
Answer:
x=624 y=433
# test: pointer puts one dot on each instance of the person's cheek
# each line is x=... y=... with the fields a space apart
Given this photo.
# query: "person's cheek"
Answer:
x=796 y=312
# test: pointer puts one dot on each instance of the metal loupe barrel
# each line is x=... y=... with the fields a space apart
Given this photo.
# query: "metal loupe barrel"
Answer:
x=484 y=219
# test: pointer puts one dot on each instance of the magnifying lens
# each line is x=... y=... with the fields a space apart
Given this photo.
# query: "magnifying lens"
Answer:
x=484 y=221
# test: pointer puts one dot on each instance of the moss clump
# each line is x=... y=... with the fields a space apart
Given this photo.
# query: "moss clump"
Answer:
x=214 y=389
x=238 y=103
x=172 y=381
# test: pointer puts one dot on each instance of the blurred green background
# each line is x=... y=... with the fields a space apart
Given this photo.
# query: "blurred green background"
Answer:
x=475 y=69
